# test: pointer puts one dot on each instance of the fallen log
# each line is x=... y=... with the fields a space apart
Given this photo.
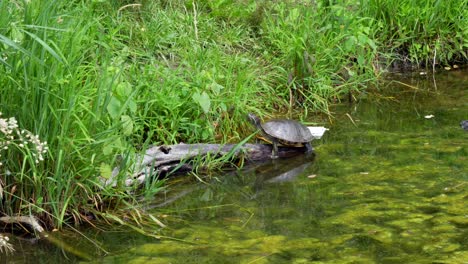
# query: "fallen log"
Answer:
x=159 y=161
x=28 y=223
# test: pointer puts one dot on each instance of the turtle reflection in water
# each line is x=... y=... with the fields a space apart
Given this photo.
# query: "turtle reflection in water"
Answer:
x=283 y=131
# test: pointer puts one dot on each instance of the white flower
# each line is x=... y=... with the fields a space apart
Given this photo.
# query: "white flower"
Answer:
x=4 y=244
x=22 y=138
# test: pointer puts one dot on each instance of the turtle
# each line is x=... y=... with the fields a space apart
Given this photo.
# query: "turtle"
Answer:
x=464 y=124
x=283 y=131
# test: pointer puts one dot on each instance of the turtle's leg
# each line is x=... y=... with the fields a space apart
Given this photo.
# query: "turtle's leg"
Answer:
x=309 y=147
x=274 y=153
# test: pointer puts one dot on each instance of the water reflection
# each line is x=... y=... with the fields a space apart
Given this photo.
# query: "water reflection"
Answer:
x=278 y=171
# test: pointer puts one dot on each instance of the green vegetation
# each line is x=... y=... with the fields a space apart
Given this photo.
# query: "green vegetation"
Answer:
x=98 y=80
x=421 y=32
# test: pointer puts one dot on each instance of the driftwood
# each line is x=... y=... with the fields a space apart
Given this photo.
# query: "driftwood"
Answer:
x=159 y=161
x=29 y=223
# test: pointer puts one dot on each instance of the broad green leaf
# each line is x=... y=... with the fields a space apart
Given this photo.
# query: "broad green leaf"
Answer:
x=206 y=134
x=349 y=44
x=123 y=89
x=362 y=39
x=112 y=70
x=203 y=100
x=216 y=88
x=17 y=35
x=365 y=30
x=105 y=170
x=109 y=147
x=223 y=106
x=114 y=108
x=360 y=60
x=132 y=106
x=371 y=43
x=127 y=125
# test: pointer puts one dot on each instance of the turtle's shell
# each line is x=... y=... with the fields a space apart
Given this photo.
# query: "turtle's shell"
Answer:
x=287 y=130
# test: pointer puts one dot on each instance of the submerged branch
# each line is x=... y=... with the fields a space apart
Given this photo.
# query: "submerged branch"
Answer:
x=160 y=161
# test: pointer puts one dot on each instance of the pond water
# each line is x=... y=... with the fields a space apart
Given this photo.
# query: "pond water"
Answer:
x=388 y=184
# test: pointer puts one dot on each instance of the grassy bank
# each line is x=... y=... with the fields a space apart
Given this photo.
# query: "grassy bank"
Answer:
x=98 y=80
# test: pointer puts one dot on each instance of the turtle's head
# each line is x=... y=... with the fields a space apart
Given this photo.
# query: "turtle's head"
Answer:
x=254 y=119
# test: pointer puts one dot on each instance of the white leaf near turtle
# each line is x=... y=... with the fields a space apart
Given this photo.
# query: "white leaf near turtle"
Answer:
x=317 y=132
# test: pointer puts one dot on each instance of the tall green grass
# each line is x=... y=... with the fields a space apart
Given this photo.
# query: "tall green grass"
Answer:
x=57 y=81
x=102 y=80
x=423 y=33
x=325 y=52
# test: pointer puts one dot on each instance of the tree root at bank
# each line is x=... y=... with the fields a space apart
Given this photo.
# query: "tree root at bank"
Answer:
x=160 y=161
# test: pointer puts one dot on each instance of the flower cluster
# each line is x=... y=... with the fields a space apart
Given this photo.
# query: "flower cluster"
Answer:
x=4 y=244
x=11 y=134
